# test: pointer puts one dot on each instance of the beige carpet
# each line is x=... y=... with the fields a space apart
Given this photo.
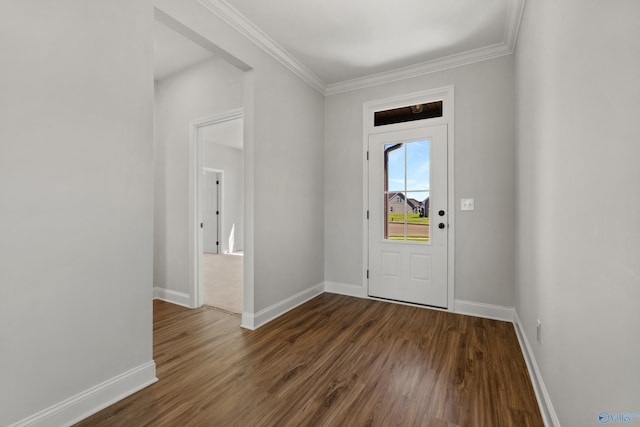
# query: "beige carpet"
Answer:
x=222 y=281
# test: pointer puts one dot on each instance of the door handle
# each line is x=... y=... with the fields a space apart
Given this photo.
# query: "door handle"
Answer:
x=441 y=225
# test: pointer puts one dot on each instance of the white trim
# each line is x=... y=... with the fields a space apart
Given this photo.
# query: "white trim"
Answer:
x=226 y=116
x=512 y=26
x=549 y=416
x=420 y=69
x=265 y=316
x=195 y=177
x=174 y=297
x=468 y=308
x=409 y=304
x=244 y=26
x=488 y=311
x=447 y=95
x=345 y=289
x=94 y=399
x=360 y=292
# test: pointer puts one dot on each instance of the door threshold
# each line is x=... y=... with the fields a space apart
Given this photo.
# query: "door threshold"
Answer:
x=411 y=304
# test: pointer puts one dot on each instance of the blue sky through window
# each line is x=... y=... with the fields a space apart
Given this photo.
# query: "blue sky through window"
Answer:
x=418 y=162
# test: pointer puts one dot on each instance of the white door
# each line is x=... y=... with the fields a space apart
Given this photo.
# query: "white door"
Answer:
x=211 y=212
x=408 y=230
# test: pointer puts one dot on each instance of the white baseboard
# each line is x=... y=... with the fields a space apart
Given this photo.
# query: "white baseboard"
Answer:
x=90 y=401
x=345 y=289
x=488 y=311
x=254 y=321
x=174 y=297
x=547 y=411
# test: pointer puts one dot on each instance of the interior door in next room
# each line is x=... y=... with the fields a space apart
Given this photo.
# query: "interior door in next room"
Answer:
x=211 y=211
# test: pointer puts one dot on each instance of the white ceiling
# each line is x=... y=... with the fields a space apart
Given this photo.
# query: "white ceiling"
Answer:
x=340 y=45
x=172 y=52
x=345 y=39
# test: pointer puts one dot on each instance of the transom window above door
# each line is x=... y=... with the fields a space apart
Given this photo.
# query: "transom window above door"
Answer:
x=409 y=113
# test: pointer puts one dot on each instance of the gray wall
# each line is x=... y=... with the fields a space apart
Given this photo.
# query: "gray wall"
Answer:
x=484 y=170
x=578 y=229
x=76 y=209
x=76 y=178
x=288 y=172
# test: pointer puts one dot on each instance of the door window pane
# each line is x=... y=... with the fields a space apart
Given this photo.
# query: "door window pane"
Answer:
x=394 y=167
x=406 y=192
x=396 y=216
x=418 y=164
x=418 y=219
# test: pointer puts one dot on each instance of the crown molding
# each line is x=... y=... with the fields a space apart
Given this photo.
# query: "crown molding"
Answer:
x=512 y=26
x=244 y=26
x=452 y=61
x=238 y=21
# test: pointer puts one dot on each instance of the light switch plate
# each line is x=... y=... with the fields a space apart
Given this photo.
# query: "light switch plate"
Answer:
x=466 y=204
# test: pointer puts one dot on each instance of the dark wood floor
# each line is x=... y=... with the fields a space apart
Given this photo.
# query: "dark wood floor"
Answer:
x=334 y=361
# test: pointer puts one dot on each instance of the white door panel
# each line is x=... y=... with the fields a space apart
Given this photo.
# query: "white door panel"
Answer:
x=407 y=203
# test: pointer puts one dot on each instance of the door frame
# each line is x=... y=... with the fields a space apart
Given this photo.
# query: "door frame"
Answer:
x=219 y=204
x=446 y=95
x=195 y=214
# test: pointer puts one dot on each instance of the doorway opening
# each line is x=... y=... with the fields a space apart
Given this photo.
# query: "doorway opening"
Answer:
x=408 y=191
x=407 y=242
x=194 y=81
x=221 y=211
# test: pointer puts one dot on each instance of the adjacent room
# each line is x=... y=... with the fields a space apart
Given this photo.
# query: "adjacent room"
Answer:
x=222 y=201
